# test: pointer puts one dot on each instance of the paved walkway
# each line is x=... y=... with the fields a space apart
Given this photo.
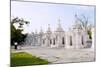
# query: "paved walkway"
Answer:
x=60 y=55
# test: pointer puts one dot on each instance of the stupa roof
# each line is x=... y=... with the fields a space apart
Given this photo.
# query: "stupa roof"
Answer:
x=49 y=29
x=59 y=28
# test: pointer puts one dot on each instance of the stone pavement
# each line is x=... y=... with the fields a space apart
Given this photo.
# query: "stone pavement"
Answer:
x=59 y=55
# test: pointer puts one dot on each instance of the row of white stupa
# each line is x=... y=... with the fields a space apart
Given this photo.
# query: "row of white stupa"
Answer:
x=76 y=37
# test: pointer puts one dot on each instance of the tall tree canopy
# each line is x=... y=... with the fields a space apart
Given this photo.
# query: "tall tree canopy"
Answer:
x=16 y=33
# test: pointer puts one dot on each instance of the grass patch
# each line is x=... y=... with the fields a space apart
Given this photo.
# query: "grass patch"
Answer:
x=25 y=59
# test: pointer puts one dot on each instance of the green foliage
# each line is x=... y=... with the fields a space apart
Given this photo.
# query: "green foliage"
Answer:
x=21 y=21
x=90 y=34
x=16 y=34
x=25 y=59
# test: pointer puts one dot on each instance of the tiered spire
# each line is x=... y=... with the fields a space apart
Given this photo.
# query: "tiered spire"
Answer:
x=41 y=31
x=59 y=26
x=49 y=29
x=36 y=32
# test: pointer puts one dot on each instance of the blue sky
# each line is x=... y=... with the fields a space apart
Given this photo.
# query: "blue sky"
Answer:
x=42 y=14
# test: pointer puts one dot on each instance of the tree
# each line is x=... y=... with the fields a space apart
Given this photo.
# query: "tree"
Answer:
x=85 y=24
x=16 y=33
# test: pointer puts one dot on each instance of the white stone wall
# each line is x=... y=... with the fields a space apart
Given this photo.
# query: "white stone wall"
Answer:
x=75 y=38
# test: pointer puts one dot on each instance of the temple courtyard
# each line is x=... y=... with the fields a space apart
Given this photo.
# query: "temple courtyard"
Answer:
x=59 y=55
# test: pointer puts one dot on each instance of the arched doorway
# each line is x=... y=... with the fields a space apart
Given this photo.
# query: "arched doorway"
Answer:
x=54 y=41
x=43 y=41
x=50 y=41
x=63 y=41
x=82 y=41
x=70 y=40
